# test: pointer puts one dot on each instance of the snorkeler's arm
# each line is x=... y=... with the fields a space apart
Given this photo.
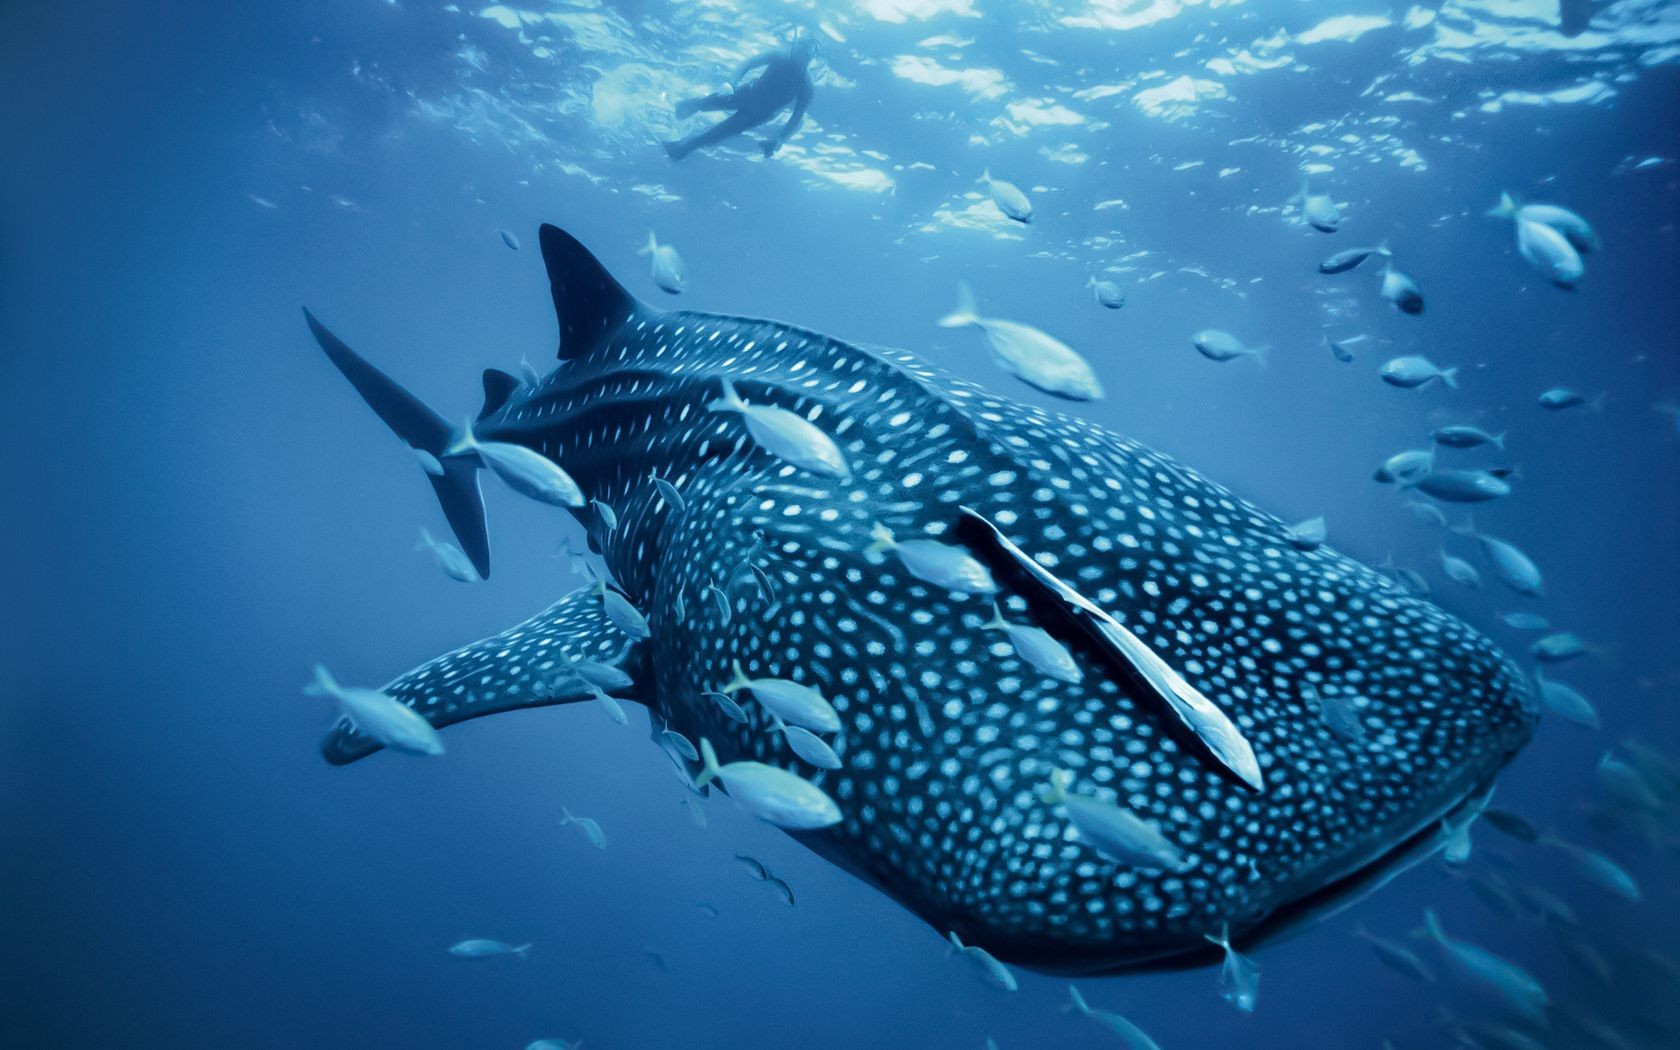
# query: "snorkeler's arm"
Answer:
x=749 y=65
x=797 y=117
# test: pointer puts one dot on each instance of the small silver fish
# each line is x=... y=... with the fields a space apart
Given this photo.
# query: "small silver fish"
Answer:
x=1404 y=468
x=1344 y=261
x=1463 y=435
x=1400 y=290
x=481 y=948
x=1239 y=977
x=944 y=565
x=1112 y=831
x=786 y=435
x=591 y=830
x=668 y=492
x=1216 y=345
x=1598 y=869
x=1556 y=648
x=795 y=703
x=1130 y=1035
x=731 y=709
x=1341 y=349
x=1514 y=568
x=449 y=558
x=667 y=267
x=1460 y=571
x=1507 y=982
x=1396 y=957
x=1036 y=646
x=610 y=705
x=1413 y=371
x=1107 y=293
x=754 y=866
x=769 y=793
x=509 y=239
x=1337 y=712
x=1307 y=535
x=993 y=972
x=1560 y=397
x=781 y=889
x=524 y=470
x=1319 y=210
x=1526 y=621
x=809 y=746
x=620 y=613
x=1463 y=486
x=1030 y=355
x=605 y=514
x=1565 y=702
x=1008 y=197
x=380 y=715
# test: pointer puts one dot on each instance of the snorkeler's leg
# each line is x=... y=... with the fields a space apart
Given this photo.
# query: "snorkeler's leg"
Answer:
x=714 y=103
x=726 y=128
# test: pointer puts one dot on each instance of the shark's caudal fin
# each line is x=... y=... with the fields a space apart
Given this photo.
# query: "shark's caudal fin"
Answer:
x=524 y=666
x=588 y=302
x=425 y=431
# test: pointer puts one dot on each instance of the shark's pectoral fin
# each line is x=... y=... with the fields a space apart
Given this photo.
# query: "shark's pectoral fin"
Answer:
x=1200 y=716
x=530 y=665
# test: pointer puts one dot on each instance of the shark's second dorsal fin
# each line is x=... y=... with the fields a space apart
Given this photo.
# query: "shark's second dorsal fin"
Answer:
x=525 y=666
x=498 y=388
x=588 y=302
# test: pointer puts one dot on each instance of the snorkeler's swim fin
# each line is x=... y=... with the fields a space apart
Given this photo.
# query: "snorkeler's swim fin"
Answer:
x=453 y=478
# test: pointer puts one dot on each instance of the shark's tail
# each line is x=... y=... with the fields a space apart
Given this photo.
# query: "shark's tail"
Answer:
x=424 y=431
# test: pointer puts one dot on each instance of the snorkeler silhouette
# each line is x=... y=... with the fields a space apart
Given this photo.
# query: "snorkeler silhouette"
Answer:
x=786 y=80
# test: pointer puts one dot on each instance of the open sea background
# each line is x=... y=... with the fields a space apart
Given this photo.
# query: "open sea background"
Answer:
x=199 y=508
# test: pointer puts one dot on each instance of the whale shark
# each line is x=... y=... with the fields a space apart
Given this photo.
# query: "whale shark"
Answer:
x=1208 y=646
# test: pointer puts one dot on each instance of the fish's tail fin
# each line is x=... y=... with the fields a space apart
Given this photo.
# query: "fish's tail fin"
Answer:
x=709 y=764
x=1222 y=939
x=880 y=539
x=1432 y=927
x=1465 y=528
x=1598 y=402
x=997 y=622
x=1499 y=439
x=1056 y=792
x=424 y=431
x=1259 y=353
x=1450 y=377
x=985 y=177
x=651 y=246
x=1383 y=249
x=966 y=312
x=1505 y=209
x=729 y=402
x=737 y=678
x=1077 y=1003
x=521 y=950
x=956 y=944
x=323 y=685
x=566 y=817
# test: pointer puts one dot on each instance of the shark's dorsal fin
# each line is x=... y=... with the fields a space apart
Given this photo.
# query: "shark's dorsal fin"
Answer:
x=524 y=666
x=590 y=305
x=498 y=388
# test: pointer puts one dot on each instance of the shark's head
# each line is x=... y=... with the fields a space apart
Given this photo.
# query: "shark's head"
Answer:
x=1366 y=715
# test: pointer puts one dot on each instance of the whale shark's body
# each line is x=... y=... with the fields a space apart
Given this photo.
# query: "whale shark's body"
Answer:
x=948 y=736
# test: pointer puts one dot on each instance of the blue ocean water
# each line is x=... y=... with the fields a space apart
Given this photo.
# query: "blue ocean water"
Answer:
x=201 y=509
